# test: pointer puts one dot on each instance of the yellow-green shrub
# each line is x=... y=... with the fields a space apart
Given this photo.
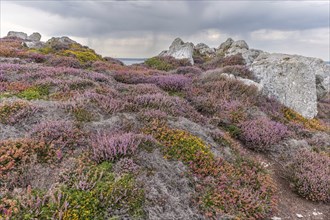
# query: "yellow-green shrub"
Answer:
x=35 y=92
x=295 y=117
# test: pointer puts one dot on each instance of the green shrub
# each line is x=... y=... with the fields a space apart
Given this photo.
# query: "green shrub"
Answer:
x=82 y=56
x=159 y=64
x=233 y=130
x=36 y=92
x=166 y=63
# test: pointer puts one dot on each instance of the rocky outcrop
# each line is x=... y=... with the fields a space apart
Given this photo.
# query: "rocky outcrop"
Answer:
x=205 y=50
x=225 y=46
x=32 y=41
x=180 y=50
x=34 y=44
x=296 y=81
x=231 y=47
x=20 y=35
x=60 y=43
x=290 y=79
x=34 y=37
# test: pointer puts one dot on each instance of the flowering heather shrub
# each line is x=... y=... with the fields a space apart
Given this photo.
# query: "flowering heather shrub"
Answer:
x=151 y=115
x=61 y=134
x=13 y=87
x=128 y=77
x=233 y=110
x=218 y=62
x=228 y=89
x=238 y=70
x=171 y=105
x=36 y=57
x=208 y=97
x=170 y=82
x=188 y=70
x=106 y=102
x=13 y=112
x=66 y=75
x=261 y=133
x=234 y=60
x=101 y=66
x=10 y=47
x=166 y=63
x=109 y=147
x=80 y=84
x=126 y=165
x=142 y=89
x=15 y=152
x=272 y=107
x=221 y=185
x=309 y=173
x=11 y=68
x=60 y=61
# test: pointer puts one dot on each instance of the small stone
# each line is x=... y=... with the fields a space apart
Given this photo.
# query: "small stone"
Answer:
x=317 y=213
x=275 y=218
x=299 y=215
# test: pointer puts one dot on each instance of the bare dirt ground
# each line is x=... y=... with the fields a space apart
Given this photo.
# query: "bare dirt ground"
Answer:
x=291 y=205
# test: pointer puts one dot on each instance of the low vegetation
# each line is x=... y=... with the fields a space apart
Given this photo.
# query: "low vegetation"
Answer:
x=86 y=137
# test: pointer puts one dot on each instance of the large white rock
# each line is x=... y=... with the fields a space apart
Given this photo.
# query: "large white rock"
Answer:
x=34 y=44
x=180 y=50
x=230 y=48
x=291 y=79
x=21 y=35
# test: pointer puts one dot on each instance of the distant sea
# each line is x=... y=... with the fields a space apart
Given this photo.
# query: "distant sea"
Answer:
x=130 y=61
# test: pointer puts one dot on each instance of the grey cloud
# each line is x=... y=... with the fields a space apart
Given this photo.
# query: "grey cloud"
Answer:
x=143 y=28
x=185 y=17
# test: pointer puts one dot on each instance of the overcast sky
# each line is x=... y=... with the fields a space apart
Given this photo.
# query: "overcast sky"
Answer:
x=144 y=28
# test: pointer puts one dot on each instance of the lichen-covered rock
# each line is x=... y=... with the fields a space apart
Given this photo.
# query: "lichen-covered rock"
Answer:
x=290 y=79
x=225 y=46
x=180 y=50
x=34 y=44
x=59 y=43
x=34 y=37
x=21 y=35
x=230 y=48
x=322 y=74
x=205 y=50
